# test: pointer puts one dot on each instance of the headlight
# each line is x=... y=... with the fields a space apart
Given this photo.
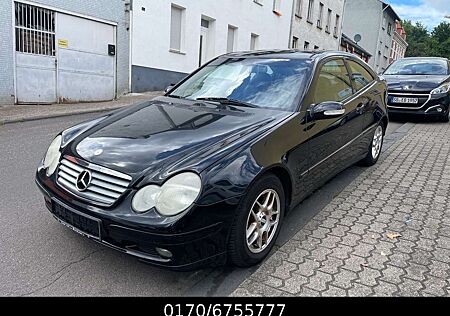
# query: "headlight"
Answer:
x=175 y=196
x=52 y=156
x=445 y=88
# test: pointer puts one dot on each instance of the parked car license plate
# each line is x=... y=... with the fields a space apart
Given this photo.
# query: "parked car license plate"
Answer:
x=405 y=100
x=80 y=223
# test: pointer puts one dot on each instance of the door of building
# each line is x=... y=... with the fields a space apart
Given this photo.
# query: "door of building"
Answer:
x=35 y=54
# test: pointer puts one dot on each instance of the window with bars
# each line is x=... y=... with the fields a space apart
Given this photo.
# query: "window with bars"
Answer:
x=35 y=30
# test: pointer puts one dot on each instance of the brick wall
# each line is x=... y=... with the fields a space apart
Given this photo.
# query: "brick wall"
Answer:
x=111 y=10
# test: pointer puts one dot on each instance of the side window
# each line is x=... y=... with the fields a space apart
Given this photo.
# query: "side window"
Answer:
x=333 y=83
x=360 y=76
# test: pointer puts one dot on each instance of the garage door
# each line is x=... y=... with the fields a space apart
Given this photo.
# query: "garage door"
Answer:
x=62 y=57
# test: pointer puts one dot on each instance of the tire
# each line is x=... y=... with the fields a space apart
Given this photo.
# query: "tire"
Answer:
x=373 y=155
x=240 y=252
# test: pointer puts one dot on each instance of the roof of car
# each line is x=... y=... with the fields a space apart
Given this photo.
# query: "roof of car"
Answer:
x=425 y=58
x=290 y=54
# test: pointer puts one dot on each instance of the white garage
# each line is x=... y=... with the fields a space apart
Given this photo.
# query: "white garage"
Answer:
x=61 y=57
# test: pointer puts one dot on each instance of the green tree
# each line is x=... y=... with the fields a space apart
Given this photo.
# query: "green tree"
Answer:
x=418 y=38
x=440 y=40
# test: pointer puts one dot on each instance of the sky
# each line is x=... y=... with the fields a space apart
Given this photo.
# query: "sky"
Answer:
x=429 y=12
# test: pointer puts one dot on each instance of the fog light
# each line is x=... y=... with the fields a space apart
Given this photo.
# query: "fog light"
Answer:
x=439 y=110
x=164 y=253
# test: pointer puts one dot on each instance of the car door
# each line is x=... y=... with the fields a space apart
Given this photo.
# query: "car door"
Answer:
x=331 y=139
x=369 y=95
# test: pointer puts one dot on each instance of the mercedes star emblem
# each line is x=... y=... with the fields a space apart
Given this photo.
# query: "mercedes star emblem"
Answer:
x=84 y=180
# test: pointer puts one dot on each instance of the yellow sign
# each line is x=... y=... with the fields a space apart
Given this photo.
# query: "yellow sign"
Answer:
x=63 y=43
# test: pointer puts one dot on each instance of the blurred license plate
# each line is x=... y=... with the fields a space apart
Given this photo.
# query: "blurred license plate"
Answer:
x=405 y=100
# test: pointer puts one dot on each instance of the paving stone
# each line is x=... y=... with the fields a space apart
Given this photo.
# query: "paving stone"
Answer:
x=344 y=249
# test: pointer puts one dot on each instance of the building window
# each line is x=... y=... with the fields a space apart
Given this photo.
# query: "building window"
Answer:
x=306 y=46
x=298 y=8
x=327 y=28
x=231 y=40
x=295 y=42
x=384 y=23
x=176 y=28
x=310 y=11
x=319 y=21
x=336 y=27
x=389 y=30
x=254 y=41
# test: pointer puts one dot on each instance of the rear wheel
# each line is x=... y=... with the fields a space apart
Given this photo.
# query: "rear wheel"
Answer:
x=258 y=222
x=375 y=147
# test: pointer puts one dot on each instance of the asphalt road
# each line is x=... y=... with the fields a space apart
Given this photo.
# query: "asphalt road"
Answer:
x=40 y=257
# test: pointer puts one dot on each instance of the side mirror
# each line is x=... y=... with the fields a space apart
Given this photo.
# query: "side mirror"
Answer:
x=170 y=87
x=327 y=110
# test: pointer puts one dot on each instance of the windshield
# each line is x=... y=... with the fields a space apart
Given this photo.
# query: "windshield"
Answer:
x=418 y=67
x=263 y=83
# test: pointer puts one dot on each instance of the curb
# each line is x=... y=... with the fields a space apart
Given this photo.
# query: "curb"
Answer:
x=50 y=116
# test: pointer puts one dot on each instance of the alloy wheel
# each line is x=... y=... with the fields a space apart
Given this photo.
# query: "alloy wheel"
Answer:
x=377 y=142
x=262 y=221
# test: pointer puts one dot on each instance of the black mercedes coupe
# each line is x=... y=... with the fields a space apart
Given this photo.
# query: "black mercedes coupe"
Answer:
x=419 y=86
x=210 y=170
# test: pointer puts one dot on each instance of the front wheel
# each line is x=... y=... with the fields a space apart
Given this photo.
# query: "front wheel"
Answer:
x=258 y=222
x=375 y=147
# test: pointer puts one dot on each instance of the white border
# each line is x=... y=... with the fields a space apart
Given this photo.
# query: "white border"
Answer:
x=13 y=31
x=66 y=12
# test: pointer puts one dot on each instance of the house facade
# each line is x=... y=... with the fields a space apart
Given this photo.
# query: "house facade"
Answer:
x=350 y=46
x=374 y=21
x=170 y=39
x=317 y=24
x=63 y=51
x=399 y=43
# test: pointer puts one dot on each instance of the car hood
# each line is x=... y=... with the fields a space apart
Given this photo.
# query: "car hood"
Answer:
x=415 y=82
x=167 y=135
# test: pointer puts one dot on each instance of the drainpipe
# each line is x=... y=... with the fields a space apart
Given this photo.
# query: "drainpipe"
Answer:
x=292 y=23
x=378 y=39
x=129 y=12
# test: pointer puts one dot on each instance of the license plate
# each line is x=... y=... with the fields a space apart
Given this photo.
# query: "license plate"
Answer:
x=405 y=100
x=80 y=223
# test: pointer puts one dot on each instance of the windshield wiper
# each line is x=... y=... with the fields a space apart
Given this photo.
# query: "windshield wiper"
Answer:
x=175 y=96
x=227 y=101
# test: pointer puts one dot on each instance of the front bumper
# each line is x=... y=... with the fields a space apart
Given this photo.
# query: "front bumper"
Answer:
x=188 y=245
x=430 y=106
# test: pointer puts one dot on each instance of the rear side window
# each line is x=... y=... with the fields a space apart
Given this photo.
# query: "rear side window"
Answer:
x=333 y=83
x=360 y=76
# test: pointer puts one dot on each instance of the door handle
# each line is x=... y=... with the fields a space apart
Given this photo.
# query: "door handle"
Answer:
x=361 y=107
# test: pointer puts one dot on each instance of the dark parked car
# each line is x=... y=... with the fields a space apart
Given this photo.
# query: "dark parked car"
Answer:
x=419 y=86
x=209 y=171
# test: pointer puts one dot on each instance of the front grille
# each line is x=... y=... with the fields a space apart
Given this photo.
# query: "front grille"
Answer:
x=106 y=187
x=422 y=96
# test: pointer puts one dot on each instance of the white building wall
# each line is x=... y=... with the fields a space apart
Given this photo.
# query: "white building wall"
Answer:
x=154 y=65
x=309 y=32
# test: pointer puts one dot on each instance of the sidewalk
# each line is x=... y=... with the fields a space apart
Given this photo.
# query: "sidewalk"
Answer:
x=21 y=113
x=386 y=234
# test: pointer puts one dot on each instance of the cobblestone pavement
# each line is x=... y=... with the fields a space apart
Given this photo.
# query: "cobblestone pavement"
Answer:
x=346 y=251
